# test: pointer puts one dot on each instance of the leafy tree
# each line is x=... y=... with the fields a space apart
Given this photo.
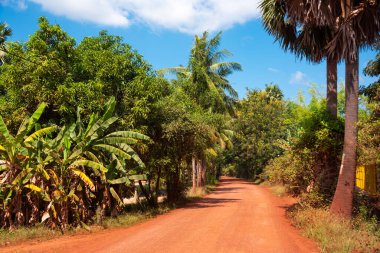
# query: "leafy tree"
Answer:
x=369 y=127
x=260 y=124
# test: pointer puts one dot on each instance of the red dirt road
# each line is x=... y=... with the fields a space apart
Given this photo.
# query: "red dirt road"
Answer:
x=237 y=217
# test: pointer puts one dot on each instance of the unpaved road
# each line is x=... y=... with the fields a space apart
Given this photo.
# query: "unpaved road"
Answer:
x=237 y=217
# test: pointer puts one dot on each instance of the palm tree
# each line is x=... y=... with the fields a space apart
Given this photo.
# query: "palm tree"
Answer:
x=306 y=41
x=207 y=73
x=5 y=32
x=356 y=25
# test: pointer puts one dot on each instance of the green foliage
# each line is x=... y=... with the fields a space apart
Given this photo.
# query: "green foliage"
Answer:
x=260 y=123
x=369 y=127
x=50 y=68
x=68 y=176
x=207 y=75
x=306 y=164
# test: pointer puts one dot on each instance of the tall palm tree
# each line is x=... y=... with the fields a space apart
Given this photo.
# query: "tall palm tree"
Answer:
x=5 y=32
x=306 y=41
x=208 y=74
x=356 y=24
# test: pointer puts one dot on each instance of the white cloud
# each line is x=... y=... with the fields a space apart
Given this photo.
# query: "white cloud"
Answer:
x=298 y=77
x=19 y=4
x=273 y=70
x=188 y=16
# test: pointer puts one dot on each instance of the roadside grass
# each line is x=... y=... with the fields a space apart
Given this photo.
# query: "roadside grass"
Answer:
x=337 y=235
x=332 y=234
x=278 y=190
x=199 y=192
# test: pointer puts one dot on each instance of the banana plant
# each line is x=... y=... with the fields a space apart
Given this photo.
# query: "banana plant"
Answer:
x=18 y=164
x=88 y=163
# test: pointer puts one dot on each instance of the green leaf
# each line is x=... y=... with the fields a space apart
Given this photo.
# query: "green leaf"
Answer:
x=36 y=116
x=114 y=150
x=40 y=133
x=116 y=140
x=138 y=177
x=100 y=126
x=122 y=180
x=114 y=194
x=87 y=163
x=21 y=175
x=132 y=153
x=90 y=124
x=84 y=178
x=110 y=108
x=4 y=129
x=129 y=134
x=91 y=156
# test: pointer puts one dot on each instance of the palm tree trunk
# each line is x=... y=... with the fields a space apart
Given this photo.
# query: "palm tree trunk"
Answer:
x=194 y=167
x=330 y=168
x=331 y=93
x=342 y=202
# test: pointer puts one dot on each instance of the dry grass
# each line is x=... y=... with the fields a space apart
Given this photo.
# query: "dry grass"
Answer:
x=336 y=235
x=199 y=192
x=278 y=190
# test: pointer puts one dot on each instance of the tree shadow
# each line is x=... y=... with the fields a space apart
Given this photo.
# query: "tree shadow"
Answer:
x=210 y=202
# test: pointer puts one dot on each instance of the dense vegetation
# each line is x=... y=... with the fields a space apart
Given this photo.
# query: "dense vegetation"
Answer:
x=83 y=125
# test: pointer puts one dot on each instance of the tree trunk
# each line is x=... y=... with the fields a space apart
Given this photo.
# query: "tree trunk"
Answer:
x=203 y=173
x=342 y=202
x=330 y=164
x=157 y=187
x=331 y=92
x=194 y=168
x=147 y=196
x=199 y=172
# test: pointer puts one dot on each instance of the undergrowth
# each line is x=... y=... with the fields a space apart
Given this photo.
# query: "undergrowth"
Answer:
x=337 y=235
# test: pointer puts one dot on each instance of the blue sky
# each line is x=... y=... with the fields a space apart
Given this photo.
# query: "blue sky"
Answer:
x=163 y=32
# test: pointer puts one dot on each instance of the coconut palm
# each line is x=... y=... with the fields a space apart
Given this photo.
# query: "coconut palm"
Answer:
x=5 y=32
x=208 y=74
x=356 y=25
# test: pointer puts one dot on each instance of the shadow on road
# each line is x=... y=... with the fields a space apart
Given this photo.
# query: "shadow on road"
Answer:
x=210 y=202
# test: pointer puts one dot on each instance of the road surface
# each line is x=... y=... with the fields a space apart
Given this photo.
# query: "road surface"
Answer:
x=237 y=217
